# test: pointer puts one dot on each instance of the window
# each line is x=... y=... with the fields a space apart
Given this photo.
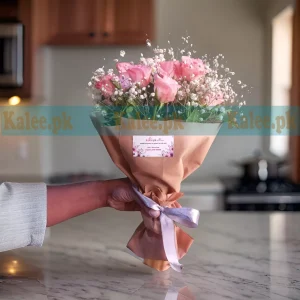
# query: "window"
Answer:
x=281 y=72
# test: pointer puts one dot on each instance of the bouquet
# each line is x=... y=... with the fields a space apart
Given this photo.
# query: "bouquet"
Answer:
x=157 y=119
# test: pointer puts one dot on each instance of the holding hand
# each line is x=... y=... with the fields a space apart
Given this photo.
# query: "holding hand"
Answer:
x=124 y=198
x=68 y=201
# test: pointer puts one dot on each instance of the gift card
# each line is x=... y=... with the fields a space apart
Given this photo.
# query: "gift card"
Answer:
x=153 y=146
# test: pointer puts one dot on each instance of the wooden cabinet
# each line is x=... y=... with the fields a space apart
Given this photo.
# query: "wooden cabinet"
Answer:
x=129 y=21
x=97 y=22
x=74 y=21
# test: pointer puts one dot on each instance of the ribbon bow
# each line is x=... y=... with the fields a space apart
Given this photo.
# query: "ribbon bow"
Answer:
x=186 y=216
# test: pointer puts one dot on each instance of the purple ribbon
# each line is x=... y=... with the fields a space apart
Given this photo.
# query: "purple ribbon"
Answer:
x=185 y=216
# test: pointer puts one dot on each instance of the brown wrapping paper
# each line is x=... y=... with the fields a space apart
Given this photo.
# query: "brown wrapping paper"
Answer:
x=159 y=178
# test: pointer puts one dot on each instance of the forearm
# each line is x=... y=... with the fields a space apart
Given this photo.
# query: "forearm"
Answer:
x=26 y=209
x=68 y=201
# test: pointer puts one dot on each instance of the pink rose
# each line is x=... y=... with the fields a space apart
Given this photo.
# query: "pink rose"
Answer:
x=136 y=73
x=166 y=88
x=170 y=69
x=106 y=86
x=192 y=68
x=166 y=68
x=139 y=74
x=122 y=67
x=177 y=70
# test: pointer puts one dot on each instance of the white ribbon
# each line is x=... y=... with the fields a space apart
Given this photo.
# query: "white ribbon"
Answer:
x=186 y=216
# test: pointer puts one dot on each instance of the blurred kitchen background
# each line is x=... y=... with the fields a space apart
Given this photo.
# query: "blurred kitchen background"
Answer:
x=65 y=41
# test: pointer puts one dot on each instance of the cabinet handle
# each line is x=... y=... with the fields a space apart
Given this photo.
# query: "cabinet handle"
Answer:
x=105 y=34
x=91 y=34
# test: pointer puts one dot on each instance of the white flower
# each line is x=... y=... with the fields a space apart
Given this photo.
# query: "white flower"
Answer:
x=144 y=88
x=152 y=95
x=122 y=53
x=150 y=61
x=100 y=71
x=188 y=103
x=116 y=93
x=141 y=97
x=194 y=97
x=120 y=93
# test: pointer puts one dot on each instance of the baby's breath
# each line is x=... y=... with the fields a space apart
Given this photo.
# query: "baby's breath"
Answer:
x=204 y=85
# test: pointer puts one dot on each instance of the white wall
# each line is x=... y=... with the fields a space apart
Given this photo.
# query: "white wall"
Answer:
x=231 y=27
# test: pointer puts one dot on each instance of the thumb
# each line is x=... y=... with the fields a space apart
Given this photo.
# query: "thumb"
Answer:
x=126 y=199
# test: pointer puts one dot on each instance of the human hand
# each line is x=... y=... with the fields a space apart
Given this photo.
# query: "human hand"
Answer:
x=122 y=197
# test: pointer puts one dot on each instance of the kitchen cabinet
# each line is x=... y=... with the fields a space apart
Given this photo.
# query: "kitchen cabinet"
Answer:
x=97 y=22
x=129 y=21
x=75 y=23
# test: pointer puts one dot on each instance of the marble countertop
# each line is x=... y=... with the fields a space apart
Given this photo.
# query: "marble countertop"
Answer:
x=235 y=256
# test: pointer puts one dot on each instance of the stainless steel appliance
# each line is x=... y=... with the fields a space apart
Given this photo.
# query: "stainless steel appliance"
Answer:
x=261 y=167
x=276 y=194
x=262 y=187
x=11 y=54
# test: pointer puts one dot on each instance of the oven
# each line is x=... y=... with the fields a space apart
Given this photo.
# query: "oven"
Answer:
x=11 y=54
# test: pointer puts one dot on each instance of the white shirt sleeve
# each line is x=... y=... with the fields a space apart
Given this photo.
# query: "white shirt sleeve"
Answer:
x=23 y=215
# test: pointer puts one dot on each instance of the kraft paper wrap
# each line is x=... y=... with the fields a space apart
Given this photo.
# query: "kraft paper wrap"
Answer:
x=159 y=178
